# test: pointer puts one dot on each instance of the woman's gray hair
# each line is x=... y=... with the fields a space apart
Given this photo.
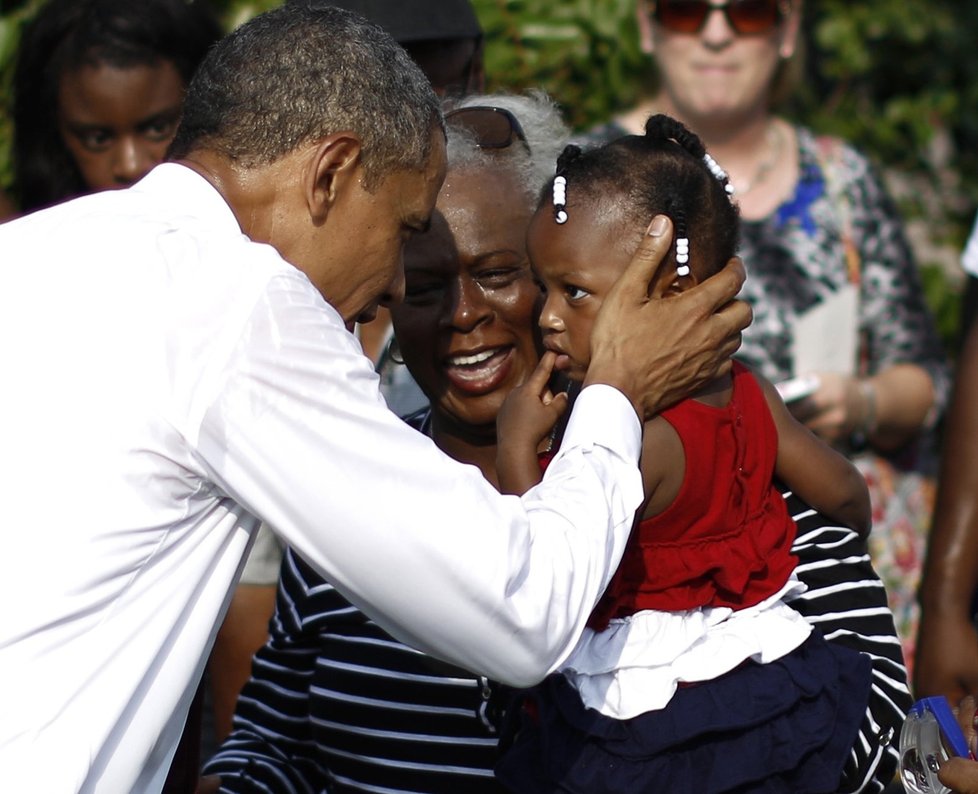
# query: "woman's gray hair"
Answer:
x=542 y=124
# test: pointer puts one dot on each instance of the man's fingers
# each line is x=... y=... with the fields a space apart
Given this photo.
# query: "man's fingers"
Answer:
x=732 y=317
x=721 y=288
x=647 y=259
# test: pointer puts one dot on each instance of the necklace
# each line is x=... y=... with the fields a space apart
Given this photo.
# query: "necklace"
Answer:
x=775 y=142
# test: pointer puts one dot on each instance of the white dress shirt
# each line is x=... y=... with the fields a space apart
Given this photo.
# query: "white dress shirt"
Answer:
x=166 y=381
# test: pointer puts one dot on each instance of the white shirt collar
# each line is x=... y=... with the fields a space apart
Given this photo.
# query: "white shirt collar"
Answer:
x=197 y=196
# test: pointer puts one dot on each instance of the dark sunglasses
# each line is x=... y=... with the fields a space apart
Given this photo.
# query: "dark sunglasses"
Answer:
x=492 y=127
x=746 y=17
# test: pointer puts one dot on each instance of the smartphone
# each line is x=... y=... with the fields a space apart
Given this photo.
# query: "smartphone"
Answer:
x=797 y=388
x=929 y=737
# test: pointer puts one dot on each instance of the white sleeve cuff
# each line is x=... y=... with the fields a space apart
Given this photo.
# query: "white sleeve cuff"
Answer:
x=604 y=416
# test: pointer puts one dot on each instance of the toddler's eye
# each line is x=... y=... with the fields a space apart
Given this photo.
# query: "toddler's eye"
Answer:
x=575 y=293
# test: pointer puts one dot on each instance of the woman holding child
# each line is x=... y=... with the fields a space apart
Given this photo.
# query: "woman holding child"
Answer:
x=334 y=702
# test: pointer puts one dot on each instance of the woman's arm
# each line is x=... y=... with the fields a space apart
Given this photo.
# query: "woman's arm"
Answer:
x=816 y=472
x=271 y=743
x=905 y=358
x=887 y=409
x=947 y=649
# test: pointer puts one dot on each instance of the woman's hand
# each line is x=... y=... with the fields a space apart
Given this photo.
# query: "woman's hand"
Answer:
x=961 y=774
x=888 y=409
x=837 y=408
x=208 y=785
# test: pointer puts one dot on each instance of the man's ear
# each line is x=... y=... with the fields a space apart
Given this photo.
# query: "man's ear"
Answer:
x=333 y=168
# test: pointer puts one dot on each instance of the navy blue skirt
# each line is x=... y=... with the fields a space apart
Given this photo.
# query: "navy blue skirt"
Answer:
x=785 y=727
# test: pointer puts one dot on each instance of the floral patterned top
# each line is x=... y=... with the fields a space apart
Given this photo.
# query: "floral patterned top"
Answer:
x=797 y=257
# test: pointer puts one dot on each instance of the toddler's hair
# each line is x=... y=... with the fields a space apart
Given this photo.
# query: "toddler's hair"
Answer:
x=665 y=172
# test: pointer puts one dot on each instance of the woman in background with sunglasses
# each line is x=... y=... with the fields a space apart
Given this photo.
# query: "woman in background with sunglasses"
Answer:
x=335 y=703
x=818 y=230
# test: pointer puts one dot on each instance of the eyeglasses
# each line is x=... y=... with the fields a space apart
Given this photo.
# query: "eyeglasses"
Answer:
x=492 y=127
x=746 y=17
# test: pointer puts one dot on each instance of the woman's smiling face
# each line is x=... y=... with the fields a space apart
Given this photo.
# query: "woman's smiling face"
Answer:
x=467 y=326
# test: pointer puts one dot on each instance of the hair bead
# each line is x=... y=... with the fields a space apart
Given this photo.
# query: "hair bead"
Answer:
x=560 y=198
x=682 y=242
x=570 y=153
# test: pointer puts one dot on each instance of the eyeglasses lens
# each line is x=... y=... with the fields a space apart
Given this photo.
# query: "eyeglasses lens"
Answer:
x=493 y=128
x=746 y=17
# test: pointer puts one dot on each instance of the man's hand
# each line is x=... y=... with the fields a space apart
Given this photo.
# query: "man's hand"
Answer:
x=659 y=351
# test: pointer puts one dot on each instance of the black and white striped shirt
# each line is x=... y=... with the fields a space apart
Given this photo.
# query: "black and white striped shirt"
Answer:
x=337 y=705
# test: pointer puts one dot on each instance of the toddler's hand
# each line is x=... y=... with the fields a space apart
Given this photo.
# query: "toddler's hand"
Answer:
x=531 y=410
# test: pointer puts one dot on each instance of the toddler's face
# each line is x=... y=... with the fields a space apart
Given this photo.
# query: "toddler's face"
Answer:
x=576 y=263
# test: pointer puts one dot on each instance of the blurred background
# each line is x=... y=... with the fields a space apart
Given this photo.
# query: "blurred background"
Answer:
x=899 y=78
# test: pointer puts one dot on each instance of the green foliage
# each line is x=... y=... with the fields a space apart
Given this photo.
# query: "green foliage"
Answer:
x=585 y=53
x=10 y=23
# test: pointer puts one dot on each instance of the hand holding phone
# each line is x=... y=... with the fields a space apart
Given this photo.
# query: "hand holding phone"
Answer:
x=930 y=736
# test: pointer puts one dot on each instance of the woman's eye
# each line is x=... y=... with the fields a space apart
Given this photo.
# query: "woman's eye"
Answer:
x=94 y=140
x=161 y=129
x=499 y=277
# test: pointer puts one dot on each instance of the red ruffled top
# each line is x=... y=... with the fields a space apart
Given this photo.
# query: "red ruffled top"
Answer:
x=726 y=538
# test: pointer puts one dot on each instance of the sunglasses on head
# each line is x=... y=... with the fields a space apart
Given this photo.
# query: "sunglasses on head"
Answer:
x=492 y=127
x=746 y=17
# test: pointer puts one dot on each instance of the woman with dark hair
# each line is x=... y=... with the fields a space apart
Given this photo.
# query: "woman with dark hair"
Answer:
x=98 y=91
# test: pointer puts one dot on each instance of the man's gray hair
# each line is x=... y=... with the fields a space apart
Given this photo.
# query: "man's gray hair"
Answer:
x=299 y=73
x=542 y=124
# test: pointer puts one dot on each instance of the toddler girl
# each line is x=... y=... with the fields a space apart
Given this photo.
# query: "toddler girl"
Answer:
x=694 y=674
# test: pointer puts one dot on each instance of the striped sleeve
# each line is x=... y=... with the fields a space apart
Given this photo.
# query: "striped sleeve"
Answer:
x=336 y=704
x=270 y=748
x=846 y=601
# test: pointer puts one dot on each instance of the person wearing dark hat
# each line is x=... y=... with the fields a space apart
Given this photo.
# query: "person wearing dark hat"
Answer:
x=443 y=37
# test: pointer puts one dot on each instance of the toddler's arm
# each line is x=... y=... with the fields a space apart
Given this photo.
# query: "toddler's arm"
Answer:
x=525 y=419
x=820 y=476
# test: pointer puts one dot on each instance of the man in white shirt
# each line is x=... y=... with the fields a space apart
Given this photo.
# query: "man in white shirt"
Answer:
x=178 y=364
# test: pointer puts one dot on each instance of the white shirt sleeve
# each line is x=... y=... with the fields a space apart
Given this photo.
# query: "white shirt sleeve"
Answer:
x=969 y=259
x=501 y=585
